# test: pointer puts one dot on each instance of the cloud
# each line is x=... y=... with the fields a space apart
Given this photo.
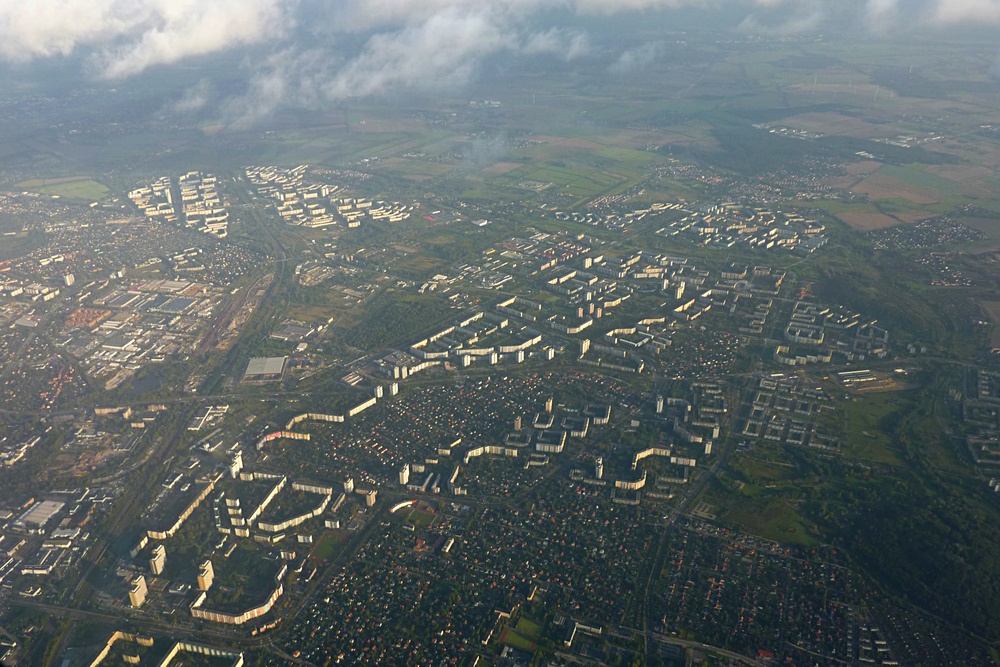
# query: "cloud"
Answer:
x=194 y=98
x=441 y=52
x=52 y=28
x=566 y=44
x=372 y=14
x=882 y=13
x=365 y=15
x=968 y=11
x=400 y=45
x=125 y=37
x=803 y=17
x=188 y=28
x=436 y=45
x=286 y=77
x=637 y=58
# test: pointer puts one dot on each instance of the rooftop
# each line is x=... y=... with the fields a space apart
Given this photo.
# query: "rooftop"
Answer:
x=41 y=512
x=266 y=366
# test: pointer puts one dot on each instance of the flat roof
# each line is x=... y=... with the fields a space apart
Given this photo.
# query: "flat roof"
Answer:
x=178 y=305
x=265 y=366
x=41 y=512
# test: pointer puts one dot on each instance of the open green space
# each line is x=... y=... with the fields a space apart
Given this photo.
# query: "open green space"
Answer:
x=582 y=182
x=417 y=169
x=835 y=206
x=914 y=174
x=627 y=156
x=768 y=513
x=420 y=518
x=517 y=640
x=82 y=188
x=551 y=224
x=759 y=469
x=392 y=317
x=328 y=546
x=528 y=628
x=418 y=265
x=775 y=520
x=316 y=313
x=868 y=419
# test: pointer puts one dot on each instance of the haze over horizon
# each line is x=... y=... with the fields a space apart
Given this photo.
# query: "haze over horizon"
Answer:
x=322 y=52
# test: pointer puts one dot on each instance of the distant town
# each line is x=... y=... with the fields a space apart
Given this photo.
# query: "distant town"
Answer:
x=686 y=363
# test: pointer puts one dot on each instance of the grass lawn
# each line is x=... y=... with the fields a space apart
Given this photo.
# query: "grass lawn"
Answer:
x=764 y=470
x=835 y=207
x=77 y=188
x=864 y=438
x=418 y=264
x=512 y=638
x=763 y=512
x=775 y=521
x=627 y=155
x=329 y=546
x=441 y=239
x=415 y=168
x=914 y=174
x=528 y=627
x=583 y=182
x=548 y=224
x=315 y=313
x=420 y=518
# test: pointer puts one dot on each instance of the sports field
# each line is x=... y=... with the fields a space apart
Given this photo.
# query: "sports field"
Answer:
x=75 y=187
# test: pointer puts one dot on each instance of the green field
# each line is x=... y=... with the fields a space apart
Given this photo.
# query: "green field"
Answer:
x=582 y=182
x=548 y=224
x=775 y=520
x=914 y=174
x=334 y=145
x=627 y=155
x=770 y=513
x=528 y=627
x=329 y=545
x=82 y=188
x=865 y=436
x=764 y=470
x=512 y=638
x=418 y=264
x=416 y=169
x=835 y=207
x=421 y=518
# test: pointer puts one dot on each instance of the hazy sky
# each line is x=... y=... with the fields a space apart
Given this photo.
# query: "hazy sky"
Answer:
x=363 y=47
